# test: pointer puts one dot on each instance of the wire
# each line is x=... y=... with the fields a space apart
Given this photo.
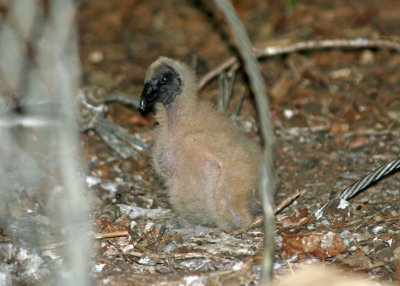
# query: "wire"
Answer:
x=362 y=184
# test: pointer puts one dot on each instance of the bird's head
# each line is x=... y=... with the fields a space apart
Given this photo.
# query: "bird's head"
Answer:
x=165 y=81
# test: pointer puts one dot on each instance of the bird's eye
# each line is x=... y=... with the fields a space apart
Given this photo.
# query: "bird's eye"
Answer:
x=166 y=78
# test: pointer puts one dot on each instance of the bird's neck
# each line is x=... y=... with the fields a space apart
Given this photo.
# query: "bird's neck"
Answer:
x=179 y=110
x=171 y=113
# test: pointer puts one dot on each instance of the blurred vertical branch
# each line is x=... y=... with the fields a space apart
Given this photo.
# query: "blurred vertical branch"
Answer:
x=74 y=213
x=258 y=87
x=39 y=77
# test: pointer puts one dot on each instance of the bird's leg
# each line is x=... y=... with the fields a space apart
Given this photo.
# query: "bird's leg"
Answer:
x=218 y=198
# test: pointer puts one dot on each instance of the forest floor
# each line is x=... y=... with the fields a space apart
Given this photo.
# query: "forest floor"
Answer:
x=336 y=118
x=335 y=114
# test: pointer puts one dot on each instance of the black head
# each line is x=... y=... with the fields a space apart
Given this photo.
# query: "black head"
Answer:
x=163 y=84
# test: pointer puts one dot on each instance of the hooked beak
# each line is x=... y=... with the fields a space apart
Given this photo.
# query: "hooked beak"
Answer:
x=149 y=96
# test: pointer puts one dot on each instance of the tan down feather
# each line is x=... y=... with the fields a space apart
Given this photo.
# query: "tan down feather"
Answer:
x=210 y=167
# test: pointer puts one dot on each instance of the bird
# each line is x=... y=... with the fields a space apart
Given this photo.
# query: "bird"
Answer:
x=209 y=166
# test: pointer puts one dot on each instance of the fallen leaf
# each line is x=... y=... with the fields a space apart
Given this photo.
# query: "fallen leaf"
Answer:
x=280 y=89
x=358 y=142
x=323 y=245
x=339 y=128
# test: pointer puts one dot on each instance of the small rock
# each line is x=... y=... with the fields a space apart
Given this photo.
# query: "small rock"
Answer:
x=367 y=57
x=96 y=57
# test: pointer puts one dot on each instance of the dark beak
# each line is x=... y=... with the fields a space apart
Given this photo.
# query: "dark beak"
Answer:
x=150 y=95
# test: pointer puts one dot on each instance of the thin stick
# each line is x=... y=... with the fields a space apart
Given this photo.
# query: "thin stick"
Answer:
x=356 y=43
x=216 y=71
x=258 y=220
x=286 y=202
x=112 y=234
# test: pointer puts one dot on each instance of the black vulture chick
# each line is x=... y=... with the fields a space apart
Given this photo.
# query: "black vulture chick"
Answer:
x=209 y=166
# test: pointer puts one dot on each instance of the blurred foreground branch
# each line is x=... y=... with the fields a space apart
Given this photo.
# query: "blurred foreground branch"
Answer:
x=267 y=186
x=39 y=149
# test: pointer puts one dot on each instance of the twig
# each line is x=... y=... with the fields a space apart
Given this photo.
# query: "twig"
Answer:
x=239 y=105
x=160 y=256
x=160 y=235
x=370 y=132
x=356 y=43
x=121 y=252
x=216 y=71
x=53 y=245
x=120 y=140
x=286 y=202
x=123 y=98
x=258 y=220
x=373 y=266
x=112 y=234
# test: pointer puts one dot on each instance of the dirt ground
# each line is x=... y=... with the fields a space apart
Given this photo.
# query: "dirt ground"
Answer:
x=336 y=115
